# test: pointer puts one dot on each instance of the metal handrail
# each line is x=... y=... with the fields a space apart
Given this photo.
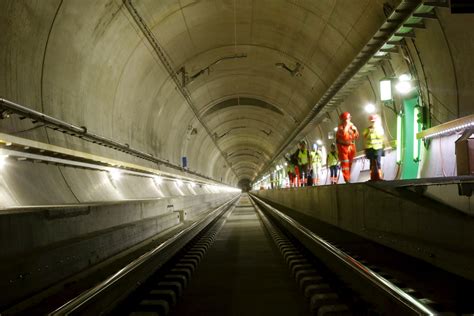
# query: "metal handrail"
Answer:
x=376 y=280
x=76 y=303
x=83 y=133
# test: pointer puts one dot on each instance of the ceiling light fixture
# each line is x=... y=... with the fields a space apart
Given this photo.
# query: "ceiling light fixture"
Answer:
x=158 y=180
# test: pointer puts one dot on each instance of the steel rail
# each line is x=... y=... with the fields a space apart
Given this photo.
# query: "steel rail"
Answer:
x=394 y=22
x=79 y=302
x=384 y=286
x=83 y=133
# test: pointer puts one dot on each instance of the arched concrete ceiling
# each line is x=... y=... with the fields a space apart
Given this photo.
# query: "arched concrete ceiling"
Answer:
x=256 y=100
x=253 y=69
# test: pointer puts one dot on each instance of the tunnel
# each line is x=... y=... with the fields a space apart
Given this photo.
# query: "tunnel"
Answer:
x=123 y=122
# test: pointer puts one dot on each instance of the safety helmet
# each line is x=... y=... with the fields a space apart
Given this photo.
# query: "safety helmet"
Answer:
x=373 y=117
x=303 y=142
x=344 y=116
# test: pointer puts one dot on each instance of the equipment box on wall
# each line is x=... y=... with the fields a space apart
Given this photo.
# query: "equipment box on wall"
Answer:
x=465 y=154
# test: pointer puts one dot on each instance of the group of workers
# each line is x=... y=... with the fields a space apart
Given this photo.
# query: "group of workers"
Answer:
x=304 y=165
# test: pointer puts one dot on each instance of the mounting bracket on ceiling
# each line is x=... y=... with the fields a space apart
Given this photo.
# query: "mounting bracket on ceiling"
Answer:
x=295 y=72
x=192 y=130
x=187 y=79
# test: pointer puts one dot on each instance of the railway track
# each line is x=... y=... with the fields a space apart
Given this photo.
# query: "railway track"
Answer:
x=248 y=258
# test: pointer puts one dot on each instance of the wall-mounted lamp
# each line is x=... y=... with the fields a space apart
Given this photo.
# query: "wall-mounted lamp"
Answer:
x=369 y=108
x=386 y=90
x=404 y=85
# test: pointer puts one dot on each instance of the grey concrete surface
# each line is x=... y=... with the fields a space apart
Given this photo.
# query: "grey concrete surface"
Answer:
x=43 y=245
x=400 y=219
x=99 y=72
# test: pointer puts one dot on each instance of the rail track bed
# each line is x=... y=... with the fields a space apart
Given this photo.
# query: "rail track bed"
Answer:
x=248 y=258
x=442 y=290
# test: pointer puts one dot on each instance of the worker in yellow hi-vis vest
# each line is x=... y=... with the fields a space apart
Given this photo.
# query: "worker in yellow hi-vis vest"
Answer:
x=304 y=162
x=316 y=163
x=374 y=135
x=333 y=163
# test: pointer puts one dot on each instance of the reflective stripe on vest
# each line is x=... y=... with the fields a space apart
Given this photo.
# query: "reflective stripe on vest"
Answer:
x=373 y=139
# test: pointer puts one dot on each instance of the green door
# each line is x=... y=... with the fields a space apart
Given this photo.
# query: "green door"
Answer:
x=409 y=162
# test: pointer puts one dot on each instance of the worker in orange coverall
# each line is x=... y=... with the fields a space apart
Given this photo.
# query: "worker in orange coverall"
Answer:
x=346 y=135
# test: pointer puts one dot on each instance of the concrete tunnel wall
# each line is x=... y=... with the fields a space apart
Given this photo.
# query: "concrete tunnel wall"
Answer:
x=87 y=63
x=99 y=72
x=44 y=245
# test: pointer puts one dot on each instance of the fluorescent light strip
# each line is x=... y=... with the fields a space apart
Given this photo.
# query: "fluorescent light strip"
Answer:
x=450 y=130
x=451 y=127
x=399 y=138
x=415 y=131
x=116 y=172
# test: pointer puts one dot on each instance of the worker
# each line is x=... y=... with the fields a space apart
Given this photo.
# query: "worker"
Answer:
x=316 y=163
x=304 y=162
x=332 y=163
x=373 y=136
x=346 y=135
x=294 y=160
x=290 y=169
